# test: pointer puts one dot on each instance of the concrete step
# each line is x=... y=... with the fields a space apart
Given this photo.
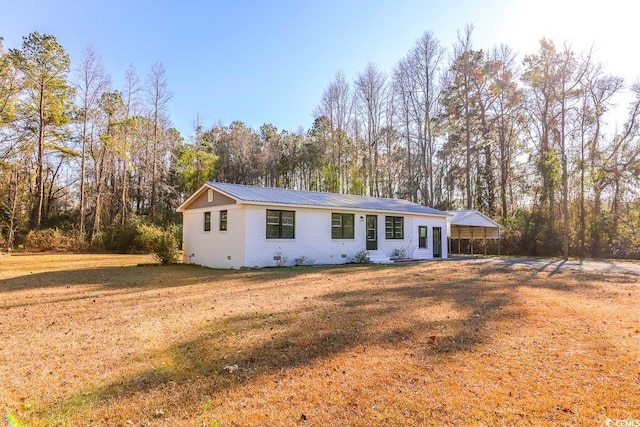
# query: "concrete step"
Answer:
x=376 y=257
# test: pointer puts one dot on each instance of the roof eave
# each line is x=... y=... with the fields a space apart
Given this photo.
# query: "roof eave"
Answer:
x=472 y=212
x=207 y=185
x=191 y=198
x=291 y=205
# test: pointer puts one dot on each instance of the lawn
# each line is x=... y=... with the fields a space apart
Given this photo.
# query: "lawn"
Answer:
x=111 y=340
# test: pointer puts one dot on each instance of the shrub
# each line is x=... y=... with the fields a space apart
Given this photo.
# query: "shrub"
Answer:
x=362 y=257
x=98 y=241
x=300 y=260
x=121 y=238
x=52 y=239
x=399 y=253
x=161 y=242
x=167 y=248
x=147 y=237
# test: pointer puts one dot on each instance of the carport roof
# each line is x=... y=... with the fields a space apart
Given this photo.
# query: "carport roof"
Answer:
x=471 y=218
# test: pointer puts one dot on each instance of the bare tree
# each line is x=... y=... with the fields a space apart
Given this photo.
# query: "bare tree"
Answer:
x=461 y=101
x=337 y=106
x=424 y=67
x=570 y=74
x=158 y=97
x=130 y=99
x=90 y=83
x=508 y=116
x=371 y=93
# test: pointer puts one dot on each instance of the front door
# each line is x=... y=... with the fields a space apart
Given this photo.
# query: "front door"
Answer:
x=437 y=242
x=372 y=232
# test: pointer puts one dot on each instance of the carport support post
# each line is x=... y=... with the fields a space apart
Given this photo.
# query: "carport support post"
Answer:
x=459 y=251
x=485 y=239
x=471 y=229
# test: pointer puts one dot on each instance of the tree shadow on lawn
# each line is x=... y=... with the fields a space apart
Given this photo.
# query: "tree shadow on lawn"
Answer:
x=142 y=276
x=389 y=316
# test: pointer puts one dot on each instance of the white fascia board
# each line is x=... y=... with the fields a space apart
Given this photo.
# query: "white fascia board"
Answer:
x=192 y=197
x=201 y=190
x=339 y=208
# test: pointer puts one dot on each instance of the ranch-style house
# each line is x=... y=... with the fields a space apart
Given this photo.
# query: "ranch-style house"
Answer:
x=234 y=226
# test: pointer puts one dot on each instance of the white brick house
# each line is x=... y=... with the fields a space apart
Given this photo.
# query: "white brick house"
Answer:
x=233 y=226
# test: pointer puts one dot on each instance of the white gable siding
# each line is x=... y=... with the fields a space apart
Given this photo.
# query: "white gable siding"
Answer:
x=215 y=248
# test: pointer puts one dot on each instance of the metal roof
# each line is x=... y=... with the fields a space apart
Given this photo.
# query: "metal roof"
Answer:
x=281 y=196
x=472 y=218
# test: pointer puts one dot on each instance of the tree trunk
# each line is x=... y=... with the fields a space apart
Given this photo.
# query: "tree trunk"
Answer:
x=14 y=208
x=467 y=131
x=581 y=232
x=83 y=172
x=97 y=214
x=565 y=179
x=36 y=212
x=154 y=169
x=596 y=224
x=504 y=171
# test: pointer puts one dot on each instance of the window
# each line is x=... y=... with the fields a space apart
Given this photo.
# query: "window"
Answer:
x=422 y=237
x=207 y=221
x=210 y=195
x=223 y=220
x=342 y=226
x=280 y=224
x=394 y=227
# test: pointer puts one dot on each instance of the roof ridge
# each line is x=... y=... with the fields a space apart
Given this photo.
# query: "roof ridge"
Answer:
x=310 y=191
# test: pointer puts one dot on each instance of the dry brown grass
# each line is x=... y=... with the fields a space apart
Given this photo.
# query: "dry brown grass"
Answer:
x=97 y=340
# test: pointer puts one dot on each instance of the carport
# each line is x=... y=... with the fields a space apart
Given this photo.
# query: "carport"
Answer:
x=471 y=225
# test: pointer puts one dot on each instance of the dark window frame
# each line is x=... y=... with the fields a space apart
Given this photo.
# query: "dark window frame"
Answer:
x=338 y=232
x=207 y=221
x=224 y=218
x=279 y=226
x=423 y=242
x=396 y=231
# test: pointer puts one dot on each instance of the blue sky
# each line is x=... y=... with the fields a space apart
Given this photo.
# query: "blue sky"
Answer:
x=269 y=62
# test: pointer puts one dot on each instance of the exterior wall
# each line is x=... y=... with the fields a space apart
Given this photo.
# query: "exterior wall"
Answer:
x=313 y=237
x=429 y=222
x=406 y=244
x=215 y=248
x=201 y=201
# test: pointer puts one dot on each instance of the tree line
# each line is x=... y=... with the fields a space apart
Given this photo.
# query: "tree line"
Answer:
x=77 y=153
x=529 y=141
